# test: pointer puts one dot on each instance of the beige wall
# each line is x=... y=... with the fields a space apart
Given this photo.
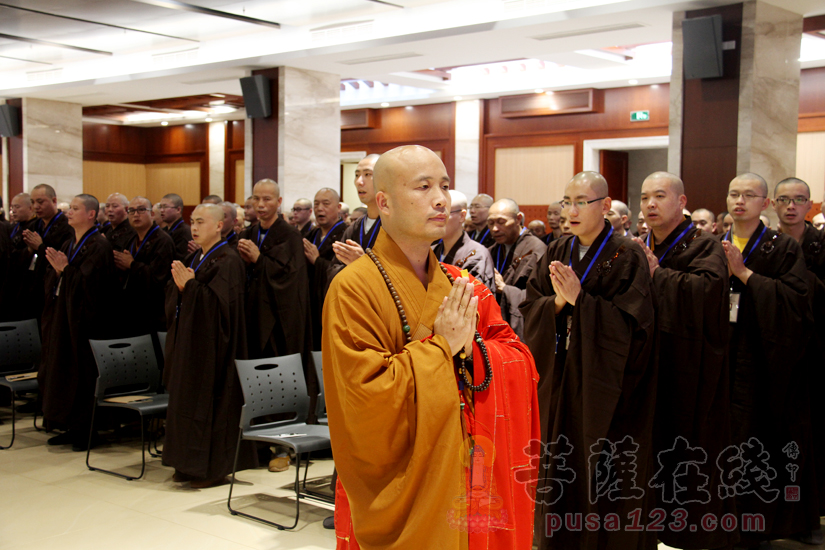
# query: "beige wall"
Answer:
x=101 y=179
x=240 y=197
x=182 y=178
x=533 y=175
x=810 y=162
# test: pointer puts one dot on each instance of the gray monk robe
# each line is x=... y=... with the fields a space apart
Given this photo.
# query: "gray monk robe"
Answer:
x=516 y=265
x=470 y=255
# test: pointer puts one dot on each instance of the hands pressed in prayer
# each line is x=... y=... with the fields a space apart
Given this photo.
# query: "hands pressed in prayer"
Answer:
x=58 y=260
x=347 y=252
x=310 y=251
x=248 y=251
x=565 y=283
x=456 y=318
x=499 y=282
x=181 y=274
x=736 y=263
x=123 y=260
x=192 y=246
x=32 y=239
x=652 y=260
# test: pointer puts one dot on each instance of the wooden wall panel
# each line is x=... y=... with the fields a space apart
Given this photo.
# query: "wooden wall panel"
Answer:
x=110 y=143
x=101 y=179
x=15 y=162
x=235 y=135
x=183 y=178
x=239 y=191
x=184 y=139
x=533 y=175
x=265 y=134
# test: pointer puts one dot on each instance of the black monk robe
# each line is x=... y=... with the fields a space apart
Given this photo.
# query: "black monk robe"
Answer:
x=145 y=281
x=277 y=298
x=482 y=236
x=206 y=334
x=359 y=233
x=516 y=266
x=75 y=312
x=597 y=394
x=470 y=255
x=25 y=291
x=319 y=275
x=54 y=234
x=181 y=235
x=6 y=291
x=119 y=236
x=769 y=389
x=693 y=399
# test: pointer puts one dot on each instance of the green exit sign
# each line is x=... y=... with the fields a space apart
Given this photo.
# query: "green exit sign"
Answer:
x=639 y=116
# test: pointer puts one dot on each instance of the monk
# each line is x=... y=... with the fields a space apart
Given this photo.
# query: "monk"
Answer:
x=704 y=219
x=515 y=254
x=250 y=215
x=770 y=316
x=422 y=458
x=78 y=282
x=21 y=282
x=479 y=210
x=320 y=254
x=590 y=322
x=690 y=276
x=553 y=222
x=792 y=202
x=171 y=208
x=118 y=230
x=302 y=216
x=144 y=268
x=227 y=230
x=458 y=249
x=204 y=312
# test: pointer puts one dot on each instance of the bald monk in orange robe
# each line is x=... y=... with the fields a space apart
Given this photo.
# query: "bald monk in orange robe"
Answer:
x=423 y=461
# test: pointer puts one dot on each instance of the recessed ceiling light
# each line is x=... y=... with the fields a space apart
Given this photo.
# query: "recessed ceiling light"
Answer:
x=409 y=107
x=539 y=91
x=633 y=82
x=549 y=93
x=164 y=123
x=655 y=86
x=208 y=119
x=457 y=98
x=385 y=104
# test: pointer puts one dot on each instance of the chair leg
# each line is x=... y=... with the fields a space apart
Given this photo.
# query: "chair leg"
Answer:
x=142 y=451
x=256 y=518
x=157 y=453
x=13 y=420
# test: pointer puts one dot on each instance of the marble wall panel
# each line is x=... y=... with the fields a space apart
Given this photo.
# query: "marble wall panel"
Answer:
x=53 y=146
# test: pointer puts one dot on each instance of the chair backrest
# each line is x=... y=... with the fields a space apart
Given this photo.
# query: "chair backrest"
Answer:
x=162 y=342
x=272 y=386
x=19 y=346
x=125 y=366
x=321 y=407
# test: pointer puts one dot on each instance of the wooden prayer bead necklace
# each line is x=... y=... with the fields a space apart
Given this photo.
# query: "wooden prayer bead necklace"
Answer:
x=488 y=369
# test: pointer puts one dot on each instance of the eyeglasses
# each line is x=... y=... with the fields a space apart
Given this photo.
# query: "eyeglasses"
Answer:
x=479 y=207
x=456 y=211
x=294 y=209
x=579 y=204
x=141 y=211
x=747 y=196
x=788 y=200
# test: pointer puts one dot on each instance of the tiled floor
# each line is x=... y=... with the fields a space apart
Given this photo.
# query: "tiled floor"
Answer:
x=49 y=499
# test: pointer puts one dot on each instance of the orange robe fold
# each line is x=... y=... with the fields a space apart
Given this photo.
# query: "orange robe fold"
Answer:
x=411 y=473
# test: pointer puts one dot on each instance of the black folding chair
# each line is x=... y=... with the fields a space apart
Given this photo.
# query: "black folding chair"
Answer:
x=19 y=356
x=127 y=367
x=276 y=386
x=321 y=408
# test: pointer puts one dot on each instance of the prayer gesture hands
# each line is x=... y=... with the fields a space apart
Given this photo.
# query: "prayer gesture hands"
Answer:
x=249 y=251
x=58 y=260
x=310 y=251
x=123 y=260
x=499 y=282
x=736 y=263
x=456 y=319
x=32 y=239
x=181 y=274
x=192 y=246
x=566 y=284
x=652 y=260
x=347 y=252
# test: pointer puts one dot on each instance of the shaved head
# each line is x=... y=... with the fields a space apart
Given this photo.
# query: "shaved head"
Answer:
x=212 y=199
x=675 y=182
x=458 y=200
x=593 y=180
x=332 y=193
x=173 y=199
x=230 y=214
x=267 y=183
x=23 y=197
x=119 y=197
x=504 y=206
x=90 y=202
x=395 y=163
x=211 y=211
x=47 y=189
x=483 y=199
x=794 y=181
x=750 y=176
x=142 y=200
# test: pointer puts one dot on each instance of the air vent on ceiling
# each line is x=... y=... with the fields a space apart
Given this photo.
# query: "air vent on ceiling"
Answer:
x=175 y=58
x=391 y=57
x=40 y=76
x=591 y=30
x=340 y=31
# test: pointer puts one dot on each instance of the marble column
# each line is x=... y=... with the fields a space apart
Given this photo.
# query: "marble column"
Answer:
x=217 y=160
x=674 y=152
x=467 y=130
x=53 y=146
x=4 y=169
x=309 y=133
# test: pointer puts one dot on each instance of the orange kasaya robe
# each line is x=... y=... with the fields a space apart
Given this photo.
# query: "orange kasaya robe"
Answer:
x=412 y=474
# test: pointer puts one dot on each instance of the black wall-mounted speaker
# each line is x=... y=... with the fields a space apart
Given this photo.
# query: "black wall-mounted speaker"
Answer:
x=702 y=39
x=256 y=96
x=9 y=121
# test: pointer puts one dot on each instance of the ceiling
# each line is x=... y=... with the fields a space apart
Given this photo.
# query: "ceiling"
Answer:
x=397 y=52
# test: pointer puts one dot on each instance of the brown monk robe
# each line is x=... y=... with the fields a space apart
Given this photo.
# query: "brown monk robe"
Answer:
x=769 y=334
x=319 y=254
x=7 y=291
x=277 y=296
x=118 y=231
x=144 y=270
x=515 y=255
x=421 y=463
x=590 y=323
x=690 y=276
x=792 y=202
x=171 y=211
x=204 y=311
x=78 y=282
x=20 y=283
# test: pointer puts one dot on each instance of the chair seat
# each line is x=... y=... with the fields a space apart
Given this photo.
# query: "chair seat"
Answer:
x=316 y=438
x=19 y=386
x=158 y=404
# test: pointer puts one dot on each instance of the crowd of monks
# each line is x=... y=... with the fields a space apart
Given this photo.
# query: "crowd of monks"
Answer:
x=488 y=382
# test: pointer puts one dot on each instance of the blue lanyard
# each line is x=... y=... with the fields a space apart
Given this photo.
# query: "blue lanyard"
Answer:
x=51 y=223
x=595 y=256
x=230 y=235
x=76 y=250
x=134 y=255
x=260 y=240
x=675 y=241
x=499 y=264
x=180 y=221
x=15 y=230
x=373 y=233
x=443 y=249
x=728 y=237
x=315 y=240
x=214 y=248
x=483 y=235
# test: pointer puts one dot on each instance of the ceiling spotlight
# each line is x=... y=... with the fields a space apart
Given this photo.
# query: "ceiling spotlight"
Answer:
x=385 y=104
x=164 y=123
x=633 y=82
x=208 y=119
